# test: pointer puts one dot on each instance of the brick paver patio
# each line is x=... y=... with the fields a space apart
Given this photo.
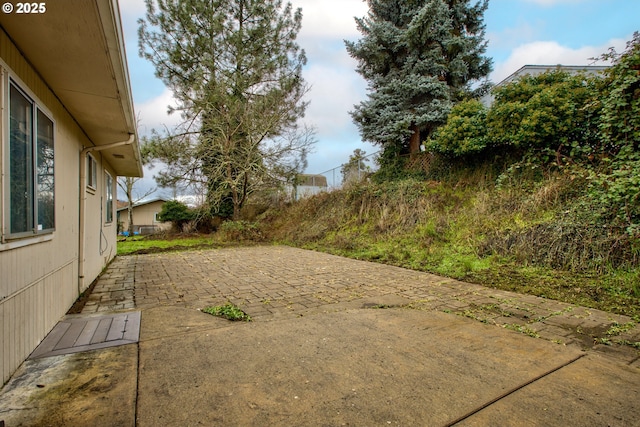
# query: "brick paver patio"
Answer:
x=274 y=281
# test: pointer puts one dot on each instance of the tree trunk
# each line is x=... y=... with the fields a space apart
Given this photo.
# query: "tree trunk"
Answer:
x=414 y=142
x=130 y=216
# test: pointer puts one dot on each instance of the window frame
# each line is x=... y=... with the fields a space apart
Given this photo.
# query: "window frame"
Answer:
x=38 y=145
x=108 y=198
x=92 y=173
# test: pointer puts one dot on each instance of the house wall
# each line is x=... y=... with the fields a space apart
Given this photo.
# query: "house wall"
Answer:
x=100 y=236
x=39 y=275
x=144 y=215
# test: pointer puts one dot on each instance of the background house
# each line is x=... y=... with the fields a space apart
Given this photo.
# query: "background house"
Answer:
x=308 y=185
x=145 y=217
x=67 y=132
x=535 y=70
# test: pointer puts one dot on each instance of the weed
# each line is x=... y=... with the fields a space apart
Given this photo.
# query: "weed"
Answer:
x=381 y=306
x=555 y=313
x=617 y=329
x=523 y=329
x=228 y=311
x=475 y=314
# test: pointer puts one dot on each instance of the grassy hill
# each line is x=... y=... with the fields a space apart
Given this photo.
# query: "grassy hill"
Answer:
x=529 y=236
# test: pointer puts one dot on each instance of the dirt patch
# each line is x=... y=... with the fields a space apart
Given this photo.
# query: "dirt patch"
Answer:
x=96 y=388
x=77 y=306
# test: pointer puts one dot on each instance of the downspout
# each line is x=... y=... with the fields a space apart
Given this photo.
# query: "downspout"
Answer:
x=83 y=201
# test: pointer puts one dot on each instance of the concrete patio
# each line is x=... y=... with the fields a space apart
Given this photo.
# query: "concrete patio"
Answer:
x=332 y=341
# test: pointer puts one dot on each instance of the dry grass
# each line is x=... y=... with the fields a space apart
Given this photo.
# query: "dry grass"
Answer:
x=513 y=237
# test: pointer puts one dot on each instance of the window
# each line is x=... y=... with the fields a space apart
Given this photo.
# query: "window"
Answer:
x=108 y=182
x=92 y=172
x=31 y=170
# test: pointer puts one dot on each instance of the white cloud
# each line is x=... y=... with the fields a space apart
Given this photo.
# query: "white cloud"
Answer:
x=153 y=113
x=551 y=53
x=330 y=19
x=334 y=91
x=511 y=37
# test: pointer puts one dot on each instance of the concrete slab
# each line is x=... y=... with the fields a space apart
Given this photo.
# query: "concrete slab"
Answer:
x=93 y=388
x=359 y=367
x=593 y=391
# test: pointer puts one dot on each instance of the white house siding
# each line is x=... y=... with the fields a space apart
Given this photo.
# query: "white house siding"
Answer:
x=39 y=275
x=100 y=237
x=144 y=215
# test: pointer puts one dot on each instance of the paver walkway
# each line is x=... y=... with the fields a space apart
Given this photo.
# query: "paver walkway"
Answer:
x=272 y=282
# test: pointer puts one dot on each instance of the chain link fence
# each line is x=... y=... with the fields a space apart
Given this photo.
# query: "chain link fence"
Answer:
x=357 y=169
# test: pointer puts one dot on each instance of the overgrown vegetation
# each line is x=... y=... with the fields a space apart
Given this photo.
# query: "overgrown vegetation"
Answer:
x=511 y=237
x=581 y=126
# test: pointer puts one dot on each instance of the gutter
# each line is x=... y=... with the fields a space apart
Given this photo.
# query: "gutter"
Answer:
x=83 y=201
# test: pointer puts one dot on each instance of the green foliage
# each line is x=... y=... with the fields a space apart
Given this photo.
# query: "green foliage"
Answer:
x=620 y=116
x=614 y=190
x=614 y=195
x=418 y=58
x=159 y=243
x=464 y=133
x=228 y=311
x=356 y=169
x=545 y=115
x=177 y=213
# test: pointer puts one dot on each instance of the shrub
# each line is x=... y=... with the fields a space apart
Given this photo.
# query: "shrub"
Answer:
x=465 y=132
x=614 y=193
x=177 y=213
x=240 y=231
x=546 y=115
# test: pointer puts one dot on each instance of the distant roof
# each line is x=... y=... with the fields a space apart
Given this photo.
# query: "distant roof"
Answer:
x=145 y=202
x=535 y=70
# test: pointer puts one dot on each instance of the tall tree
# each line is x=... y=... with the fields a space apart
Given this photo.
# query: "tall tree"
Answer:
x=235 y=70
x=418 y=57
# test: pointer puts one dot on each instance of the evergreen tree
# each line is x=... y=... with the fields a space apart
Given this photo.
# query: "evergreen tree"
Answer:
x=356 y=169
x=235 y=70
x=418 y=57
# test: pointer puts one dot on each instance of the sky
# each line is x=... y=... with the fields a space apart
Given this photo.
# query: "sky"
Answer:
x=519 y=32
